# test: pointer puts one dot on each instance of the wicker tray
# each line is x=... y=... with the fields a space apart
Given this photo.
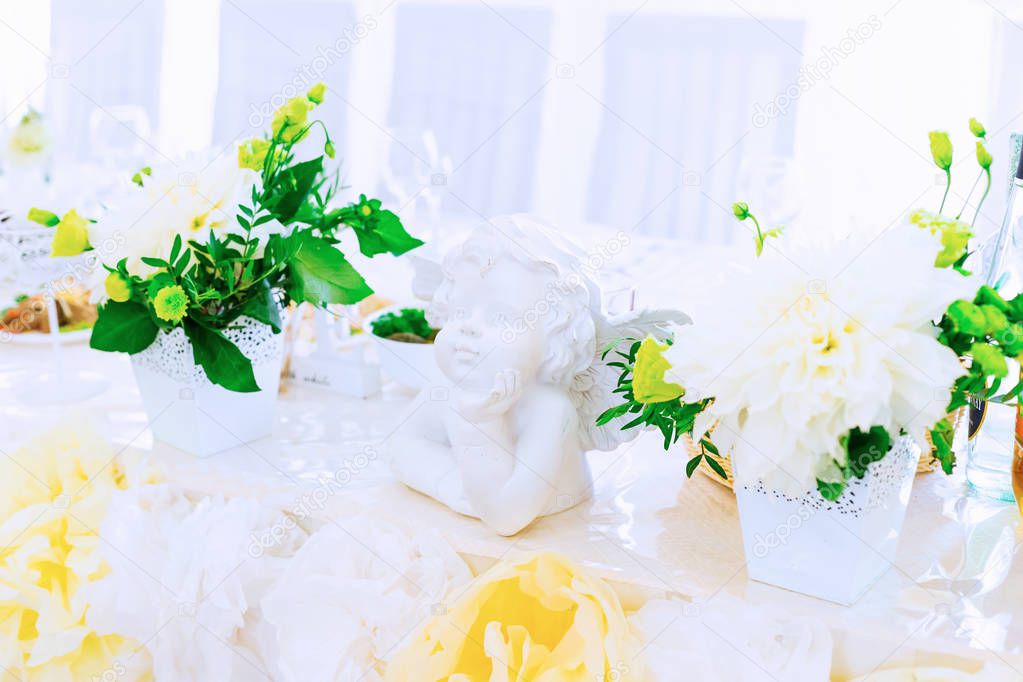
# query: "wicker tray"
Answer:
x=926 y=464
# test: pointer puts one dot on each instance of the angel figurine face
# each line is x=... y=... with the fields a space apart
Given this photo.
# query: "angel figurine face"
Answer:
x=520 y=333
x=489 y=324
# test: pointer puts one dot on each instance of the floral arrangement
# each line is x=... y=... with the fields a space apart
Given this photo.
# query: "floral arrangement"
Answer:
x=805 y=380
x=55 y=494
x=202 y=243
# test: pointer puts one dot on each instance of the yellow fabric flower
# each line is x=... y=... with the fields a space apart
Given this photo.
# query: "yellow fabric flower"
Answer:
x=54 y=494
x=289 y=121
x=541 y=620
x=648 y=384
x=171 y=303
x=71 y=236
x=252 y=154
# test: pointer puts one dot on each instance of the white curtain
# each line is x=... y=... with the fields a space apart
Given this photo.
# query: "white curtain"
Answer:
x=476 y=79
x=271 y=51
x=105 y=71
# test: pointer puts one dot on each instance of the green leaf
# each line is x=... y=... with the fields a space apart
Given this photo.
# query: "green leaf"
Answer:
x=864 y=448
x=384 y=233
x=692 y=464
x=612 y=413
x=223 y=363
x=830 y=491
x=293 y=186
x=320 y=274
x=716 y=466
x=123 y=327
x=263 y=308
x=941 y=436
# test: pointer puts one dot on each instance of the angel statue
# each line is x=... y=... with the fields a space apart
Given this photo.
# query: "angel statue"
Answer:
x=522 y=334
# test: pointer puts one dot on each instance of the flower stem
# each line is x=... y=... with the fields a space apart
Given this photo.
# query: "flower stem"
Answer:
x=967 y=202
x=983 y=196
x=948 y=186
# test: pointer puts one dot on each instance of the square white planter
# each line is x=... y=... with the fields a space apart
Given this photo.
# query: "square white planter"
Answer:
x=189 y=412
x=830 y=550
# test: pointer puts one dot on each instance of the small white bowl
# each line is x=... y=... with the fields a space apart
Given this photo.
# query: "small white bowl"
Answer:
x=412 y=365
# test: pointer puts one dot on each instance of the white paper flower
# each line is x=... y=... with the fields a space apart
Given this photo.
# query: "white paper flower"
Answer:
x=349 y=597
x=189 y=198
x=796 y=358
x=186 y=578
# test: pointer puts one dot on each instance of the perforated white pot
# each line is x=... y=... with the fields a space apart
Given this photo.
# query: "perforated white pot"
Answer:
x=189 y=412
x=830 y=550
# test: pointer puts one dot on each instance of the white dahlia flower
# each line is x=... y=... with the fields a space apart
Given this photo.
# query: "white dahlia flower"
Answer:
x=810 y=344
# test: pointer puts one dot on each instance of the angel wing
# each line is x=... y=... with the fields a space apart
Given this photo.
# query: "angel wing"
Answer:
x=592 y=389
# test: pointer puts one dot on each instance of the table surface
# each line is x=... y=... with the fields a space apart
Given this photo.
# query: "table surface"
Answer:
x=954 y=594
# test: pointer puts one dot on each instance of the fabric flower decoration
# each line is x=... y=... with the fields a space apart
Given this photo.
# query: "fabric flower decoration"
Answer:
x=194 y=563
x=794 y=360
x=54 y=496
x=541 y=620
x=348 y=597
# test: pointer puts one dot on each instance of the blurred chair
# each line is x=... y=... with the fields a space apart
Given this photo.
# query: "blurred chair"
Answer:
x=683 y=92
x=272 y=50
x=104 y=59
x=471 y=76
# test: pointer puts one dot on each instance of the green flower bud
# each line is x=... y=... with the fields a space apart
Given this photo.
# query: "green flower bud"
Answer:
x=316 y=93
x=977 y=128
x=983 y=156
x=38 y=215
x=941 y=149
x=741 y=210
x=328 y=149
x=117 y=288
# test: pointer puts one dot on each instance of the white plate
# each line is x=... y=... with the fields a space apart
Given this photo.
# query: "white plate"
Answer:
x=41 y=339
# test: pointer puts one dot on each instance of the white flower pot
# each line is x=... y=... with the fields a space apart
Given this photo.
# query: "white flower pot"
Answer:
x=830 y=550
x=189 y=412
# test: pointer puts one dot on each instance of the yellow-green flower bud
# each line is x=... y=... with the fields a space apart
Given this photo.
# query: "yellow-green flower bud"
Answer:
x=47 y=218
x=941 y=149
x=983 y=156
x=328 y=149
x=316 y=93
x=117 y=288
x=741 y=210
x=171 y=303
x=71 y=236
x=977 y=128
